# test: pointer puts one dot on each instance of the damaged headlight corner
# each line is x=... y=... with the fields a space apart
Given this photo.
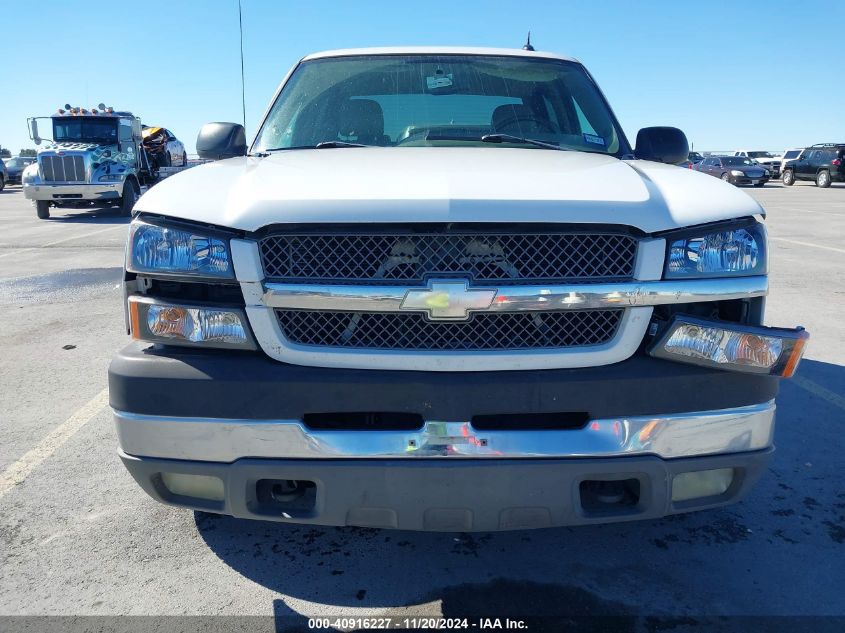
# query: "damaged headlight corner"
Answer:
x=731 y=346
x=726 y=251
x=177 y=251
x=196 y=326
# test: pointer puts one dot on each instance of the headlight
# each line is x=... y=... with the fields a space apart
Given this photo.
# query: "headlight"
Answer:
x=111 y=178
x=736 y=172
x=30 y=174
x=171 y=323
x=172 y=251
x=726 y=252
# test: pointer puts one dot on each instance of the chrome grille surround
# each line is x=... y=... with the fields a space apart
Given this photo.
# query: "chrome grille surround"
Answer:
x=484 y=258
x=635 y=298
x=482 y=331
x=67 y=168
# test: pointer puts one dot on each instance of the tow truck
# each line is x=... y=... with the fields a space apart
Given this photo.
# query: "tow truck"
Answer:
x=96 y=158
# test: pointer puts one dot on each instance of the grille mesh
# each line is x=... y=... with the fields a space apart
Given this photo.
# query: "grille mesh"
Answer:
x=63 y=168
x=483 y=257
x=483 y=331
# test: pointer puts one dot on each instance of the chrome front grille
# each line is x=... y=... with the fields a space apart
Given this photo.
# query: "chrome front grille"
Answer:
x=483 y=331
x=484 y=258
x=63 y=168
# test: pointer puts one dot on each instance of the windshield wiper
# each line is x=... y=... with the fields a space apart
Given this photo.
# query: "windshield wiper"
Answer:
x=507 y=138
x=320 y=145
x=330 y=144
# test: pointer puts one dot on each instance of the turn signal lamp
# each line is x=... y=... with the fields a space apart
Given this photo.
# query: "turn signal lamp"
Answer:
x=732 y=346
x=173 y=324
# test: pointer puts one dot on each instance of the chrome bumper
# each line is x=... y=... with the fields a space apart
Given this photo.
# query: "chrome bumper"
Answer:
x=521 y=298
x=81 y=191
x=716 y=432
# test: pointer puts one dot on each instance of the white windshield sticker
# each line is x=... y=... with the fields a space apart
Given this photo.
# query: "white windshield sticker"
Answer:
x=594 y=140
x=438 y=80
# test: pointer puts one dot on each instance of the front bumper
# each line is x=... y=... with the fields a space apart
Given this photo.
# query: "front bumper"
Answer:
x=222 y=384
x=745 y=180
x=238 y=418
x=668 y=436
x=449 y=495
x=62 y=193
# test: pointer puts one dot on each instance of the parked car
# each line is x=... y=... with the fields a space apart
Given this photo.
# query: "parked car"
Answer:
x=15 y=167
x=2 y=174
x=769 y=160
x=788 y=155
x=164 y=147
x=737 y=170
x=443 y=292
x=824 y=163
x=695 y=157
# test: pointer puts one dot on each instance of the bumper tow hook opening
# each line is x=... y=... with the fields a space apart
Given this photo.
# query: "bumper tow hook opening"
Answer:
x=287 y=490
x=290 y=498
x=609 y=496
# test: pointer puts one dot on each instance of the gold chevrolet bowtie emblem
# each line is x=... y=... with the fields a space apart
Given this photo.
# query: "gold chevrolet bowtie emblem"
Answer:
x=448 y=300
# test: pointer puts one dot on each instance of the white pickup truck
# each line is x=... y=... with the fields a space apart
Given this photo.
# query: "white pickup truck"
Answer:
x=440 y=291
x=769 y=160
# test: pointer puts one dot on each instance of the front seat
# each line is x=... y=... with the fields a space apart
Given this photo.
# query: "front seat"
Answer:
x=518 y=119
x=363 y=121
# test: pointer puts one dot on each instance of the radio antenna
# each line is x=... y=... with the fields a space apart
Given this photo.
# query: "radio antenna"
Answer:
x=243 y=83
x=528 y=46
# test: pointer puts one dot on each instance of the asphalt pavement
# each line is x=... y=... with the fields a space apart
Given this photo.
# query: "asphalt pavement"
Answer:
x=79 y=537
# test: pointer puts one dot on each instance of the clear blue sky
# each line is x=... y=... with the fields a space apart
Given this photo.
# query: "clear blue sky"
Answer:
x=749 y=75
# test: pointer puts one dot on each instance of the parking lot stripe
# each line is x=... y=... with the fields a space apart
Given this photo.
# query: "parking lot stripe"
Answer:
x=826 y=248
x=61 y=241
x=19 y=470
x=822 y=392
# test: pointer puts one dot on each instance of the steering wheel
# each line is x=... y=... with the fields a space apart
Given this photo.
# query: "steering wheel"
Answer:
x=411 y=135
x=518 y=120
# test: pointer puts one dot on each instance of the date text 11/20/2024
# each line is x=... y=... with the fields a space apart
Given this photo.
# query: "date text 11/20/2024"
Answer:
x=416 y=623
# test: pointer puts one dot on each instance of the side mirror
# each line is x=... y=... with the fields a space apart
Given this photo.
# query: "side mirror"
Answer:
x=662 y=145
x=33 y=129
x=217 y=141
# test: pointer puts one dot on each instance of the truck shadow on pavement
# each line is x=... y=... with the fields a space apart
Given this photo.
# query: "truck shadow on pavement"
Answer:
x=646 y=574
x=87 y=216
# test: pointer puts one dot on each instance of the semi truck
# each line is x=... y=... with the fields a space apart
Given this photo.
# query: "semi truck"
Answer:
x=94 y=158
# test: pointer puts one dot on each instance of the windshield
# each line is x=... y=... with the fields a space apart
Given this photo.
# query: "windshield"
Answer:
x=451 y=100
x=792 y=153
x=738 y=160
x=85 y=129
x=14 y=162
x=761 y=155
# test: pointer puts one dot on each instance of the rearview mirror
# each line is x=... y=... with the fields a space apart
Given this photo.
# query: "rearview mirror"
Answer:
x=662 y=145
x=217 y=141
x=33 y=129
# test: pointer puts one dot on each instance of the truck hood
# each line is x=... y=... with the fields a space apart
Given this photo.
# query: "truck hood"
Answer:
x=437 y=184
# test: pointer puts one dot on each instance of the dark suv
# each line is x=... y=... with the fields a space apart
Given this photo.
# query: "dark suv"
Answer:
x=824 y=163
